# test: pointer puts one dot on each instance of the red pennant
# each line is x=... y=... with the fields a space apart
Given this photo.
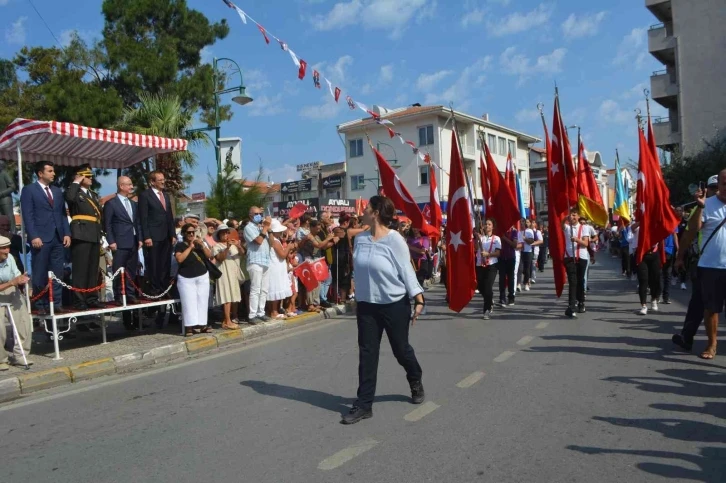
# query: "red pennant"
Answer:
x=303 y=68
x=435 y=218
x=320 y=269
x=264 y=34
x=305 y=273
x=391 y=132
x=337 y=94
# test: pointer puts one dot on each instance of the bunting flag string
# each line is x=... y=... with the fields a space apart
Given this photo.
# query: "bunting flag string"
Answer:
x=335 y=92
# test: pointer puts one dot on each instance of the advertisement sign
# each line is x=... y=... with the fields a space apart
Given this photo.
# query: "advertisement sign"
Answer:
x=336 y=206
x=333 y=181
x=282 y=208
x=309 y=166
x=296 y=186
x=199 y=196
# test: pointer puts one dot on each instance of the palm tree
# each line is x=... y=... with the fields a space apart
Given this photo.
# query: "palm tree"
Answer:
x=163 y=115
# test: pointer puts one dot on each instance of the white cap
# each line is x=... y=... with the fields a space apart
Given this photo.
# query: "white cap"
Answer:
x=712 y=181
x=277 y=227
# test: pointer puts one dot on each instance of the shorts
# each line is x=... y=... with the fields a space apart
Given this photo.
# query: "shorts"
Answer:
x=713 y=288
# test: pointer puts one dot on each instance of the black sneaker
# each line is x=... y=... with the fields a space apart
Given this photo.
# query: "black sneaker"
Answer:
x=570 y=313
x=325 y=304
x=511 y=301
x=503 y=303
x=682 y=343
x=667 y=301
x=356 y=414
x=263 y=318
x=581 y=308
x=417 y=392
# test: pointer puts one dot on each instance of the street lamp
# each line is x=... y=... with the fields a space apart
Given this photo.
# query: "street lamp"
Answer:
x=241 y=98
x=393 y=161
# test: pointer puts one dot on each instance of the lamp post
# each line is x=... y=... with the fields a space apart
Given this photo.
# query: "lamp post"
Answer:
x=241 y=98
x=393 y=161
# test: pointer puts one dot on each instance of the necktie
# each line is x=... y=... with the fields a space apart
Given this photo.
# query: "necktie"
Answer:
x=163 y=201
x=127 y=205
x=49 y=195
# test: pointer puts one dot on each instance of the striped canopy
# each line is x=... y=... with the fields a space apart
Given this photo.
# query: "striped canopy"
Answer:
x=69 y=144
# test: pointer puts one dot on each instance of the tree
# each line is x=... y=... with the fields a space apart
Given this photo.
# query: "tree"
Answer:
x=162 y=115
x=690 y=170
x=154 y=46
x=229 y=198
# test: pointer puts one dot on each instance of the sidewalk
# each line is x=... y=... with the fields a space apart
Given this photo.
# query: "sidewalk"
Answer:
x=85 y=357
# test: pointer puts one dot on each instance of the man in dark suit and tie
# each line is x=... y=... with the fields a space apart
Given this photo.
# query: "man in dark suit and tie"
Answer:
x=157 y=231
x=86 y=231
x=44 y=216
x=123 y=234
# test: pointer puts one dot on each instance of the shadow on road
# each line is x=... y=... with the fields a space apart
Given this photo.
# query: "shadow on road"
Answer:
x=323 y=400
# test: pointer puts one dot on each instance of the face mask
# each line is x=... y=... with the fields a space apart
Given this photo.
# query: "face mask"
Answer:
x=257 y=219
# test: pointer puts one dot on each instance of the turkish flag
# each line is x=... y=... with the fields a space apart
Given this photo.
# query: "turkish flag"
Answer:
x=561 y=154
x=532 y=205
x=510 y=177
x=484 y=179
x=402 y=199
x=298 y=210
x=301 y=71
x=264 y=34
x=557 y=204
x=306 y=275
x=461 y=272
x=435 y=217
x=655 y=214
x=502 y=204
x=320 y=269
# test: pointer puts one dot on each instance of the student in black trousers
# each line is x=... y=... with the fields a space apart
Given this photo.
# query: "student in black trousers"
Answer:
x=489 y=247
x=576 y=259
x=385 y=285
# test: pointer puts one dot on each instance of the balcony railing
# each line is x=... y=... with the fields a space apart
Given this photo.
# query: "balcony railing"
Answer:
x=660 y=72
x=469 y=150
x=657 y=26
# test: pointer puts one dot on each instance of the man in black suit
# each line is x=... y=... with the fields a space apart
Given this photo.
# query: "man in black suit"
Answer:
x=86 y=230
x=157 y=231
x=123 y=234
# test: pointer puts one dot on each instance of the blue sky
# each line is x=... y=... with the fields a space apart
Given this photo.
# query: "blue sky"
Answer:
x=499 y=57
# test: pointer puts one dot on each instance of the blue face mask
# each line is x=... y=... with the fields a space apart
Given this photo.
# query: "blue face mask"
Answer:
x=257 y=219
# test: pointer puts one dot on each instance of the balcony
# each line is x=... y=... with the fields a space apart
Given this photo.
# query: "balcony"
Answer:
x=664 y=89
x=665 y=135
x=662 y=44
x=661 y=9
x=469 y=151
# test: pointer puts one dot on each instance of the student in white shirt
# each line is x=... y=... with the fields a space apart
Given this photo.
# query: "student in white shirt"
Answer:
x=518 y=255
x=576 y=257
x=489 y=247
x=538 y=241
x=527 y=254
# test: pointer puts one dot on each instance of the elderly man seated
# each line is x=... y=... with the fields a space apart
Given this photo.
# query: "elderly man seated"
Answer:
x=11 y=281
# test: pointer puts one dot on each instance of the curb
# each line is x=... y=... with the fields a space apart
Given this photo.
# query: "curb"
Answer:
x=18 y=386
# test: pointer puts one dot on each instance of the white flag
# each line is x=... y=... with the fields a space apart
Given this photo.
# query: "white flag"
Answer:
x=330 y=86
x=294 y=57
x=241 y=14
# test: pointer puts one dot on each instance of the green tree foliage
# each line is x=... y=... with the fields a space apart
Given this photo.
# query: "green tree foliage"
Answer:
x=155 y=46
x=162 y=115
x=684 y=171
x=229 y=198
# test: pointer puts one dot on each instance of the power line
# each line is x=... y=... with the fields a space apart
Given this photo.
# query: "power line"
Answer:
x=46 y=24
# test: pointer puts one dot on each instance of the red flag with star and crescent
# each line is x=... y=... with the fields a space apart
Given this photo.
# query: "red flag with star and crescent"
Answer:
x=502 y=204
x=401 y=197
x=305 y=273
x=557 y=196
x=509 y=176
x=656 y=216
x=461 y=274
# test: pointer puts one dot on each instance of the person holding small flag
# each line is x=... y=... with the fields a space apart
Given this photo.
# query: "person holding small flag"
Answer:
x=489 y=248
x=577 y=239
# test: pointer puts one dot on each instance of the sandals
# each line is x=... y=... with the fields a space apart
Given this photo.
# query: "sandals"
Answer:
x=231 y=326
x=280 y=317
x=291 y=314
x=206 y=330
x=708 y=354
x=190 y=333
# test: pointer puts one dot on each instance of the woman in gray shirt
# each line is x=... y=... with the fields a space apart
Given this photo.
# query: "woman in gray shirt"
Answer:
x=385 y=282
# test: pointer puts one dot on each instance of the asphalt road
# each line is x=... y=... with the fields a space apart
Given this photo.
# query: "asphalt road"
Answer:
x=525 y=397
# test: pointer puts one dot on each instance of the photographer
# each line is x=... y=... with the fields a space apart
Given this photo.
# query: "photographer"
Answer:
x=193 y=281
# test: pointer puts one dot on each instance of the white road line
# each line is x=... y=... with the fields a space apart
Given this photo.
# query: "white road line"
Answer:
x=421 y=411
x=343 y=456
x=542 y=325
x=525 y=340
x=504 y=356
x=470 y=380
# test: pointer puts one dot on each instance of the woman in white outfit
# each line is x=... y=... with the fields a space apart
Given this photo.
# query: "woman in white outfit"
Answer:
x=193 y=281
x=280 y=288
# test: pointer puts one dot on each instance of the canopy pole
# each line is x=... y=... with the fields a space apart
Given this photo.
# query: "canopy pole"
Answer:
x=22 y=224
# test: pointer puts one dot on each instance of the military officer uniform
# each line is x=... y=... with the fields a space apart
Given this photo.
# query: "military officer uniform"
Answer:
x=86 y=231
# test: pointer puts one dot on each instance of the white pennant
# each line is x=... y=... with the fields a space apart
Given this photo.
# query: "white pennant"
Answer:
x=403 y=141
x=294 y=57
x=241 y=14
x=330 y=86
x=384 y=121
x=362 y=106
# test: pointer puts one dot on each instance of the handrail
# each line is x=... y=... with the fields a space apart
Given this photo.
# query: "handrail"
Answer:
x=661 y=120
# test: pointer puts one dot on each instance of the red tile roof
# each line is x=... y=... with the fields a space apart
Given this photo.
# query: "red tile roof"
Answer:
x=539 y=150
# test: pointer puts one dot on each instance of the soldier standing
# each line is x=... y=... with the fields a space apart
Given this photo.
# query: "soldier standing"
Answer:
x=86 y=223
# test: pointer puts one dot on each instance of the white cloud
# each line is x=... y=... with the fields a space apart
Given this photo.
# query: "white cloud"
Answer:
x=473 y=17
x=426 y=82
x=265 y=106
x=327 y=110
x=516 y=63
x=256 y=80
x=366 y=89
x=519 y=22
x=527 y=115
x=335 y=72
x=16 y=33
x=633 y=49
x=286 y=172
x=585 y=26
x=460 y=92
x=4 y=2
x=611 y=112
x=636 y=90
x=390 y=15
x=206 y=56
x=386 y=74
x=577 y=115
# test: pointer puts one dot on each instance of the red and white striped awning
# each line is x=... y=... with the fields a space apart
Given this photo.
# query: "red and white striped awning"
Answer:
x=69 y=144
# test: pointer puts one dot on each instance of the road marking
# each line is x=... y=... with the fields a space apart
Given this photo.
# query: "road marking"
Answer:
x=504 y=356
x=470 y=380
x=343 y=456
x=525 y=340
x=421 y=411
x=542 y=325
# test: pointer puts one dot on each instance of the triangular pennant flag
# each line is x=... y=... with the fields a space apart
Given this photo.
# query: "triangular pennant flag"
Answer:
x=337 y=95
x=229 y=4
x=400 y=138
x=301 y=71
x=241 y=14
x=350 y=102
x=294 y=58
x=391 y=132
x=316 y=78
x=362 y=107
x=283 y=45
x=383 y=121
x=264 y=34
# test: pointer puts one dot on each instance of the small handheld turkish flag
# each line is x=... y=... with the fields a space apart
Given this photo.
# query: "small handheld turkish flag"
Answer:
x=298 y=210
x=320 y=269
x=304 y=272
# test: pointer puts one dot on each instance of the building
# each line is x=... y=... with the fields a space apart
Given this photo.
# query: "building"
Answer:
x=538 y=174
x=690 y=42
x=430 y=128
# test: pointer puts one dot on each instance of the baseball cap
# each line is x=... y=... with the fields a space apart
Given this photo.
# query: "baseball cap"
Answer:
x=712 y=181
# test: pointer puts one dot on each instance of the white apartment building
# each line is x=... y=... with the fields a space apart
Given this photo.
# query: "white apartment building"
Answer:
x=430 y=128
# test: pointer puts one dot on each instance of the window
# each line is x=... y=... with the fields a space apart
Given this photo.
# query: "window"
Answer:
x=492 y=142
x=502 y=146
x=426 y=135
x=512 y=148
x=423 y=175
x=356 y=148
x=357 y=182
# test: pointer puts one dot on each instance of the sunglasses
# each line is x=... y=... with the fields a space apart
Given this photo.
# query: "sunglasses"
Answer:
x=190 y=232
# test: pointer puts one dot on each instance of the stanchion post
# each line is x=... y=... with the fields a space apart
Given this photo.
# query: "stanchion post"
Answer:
x=51 y=304
x=123 y=286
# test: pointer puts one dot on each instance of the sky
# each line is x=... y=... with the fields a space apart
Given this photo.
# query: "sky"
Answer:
x=500 y=57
